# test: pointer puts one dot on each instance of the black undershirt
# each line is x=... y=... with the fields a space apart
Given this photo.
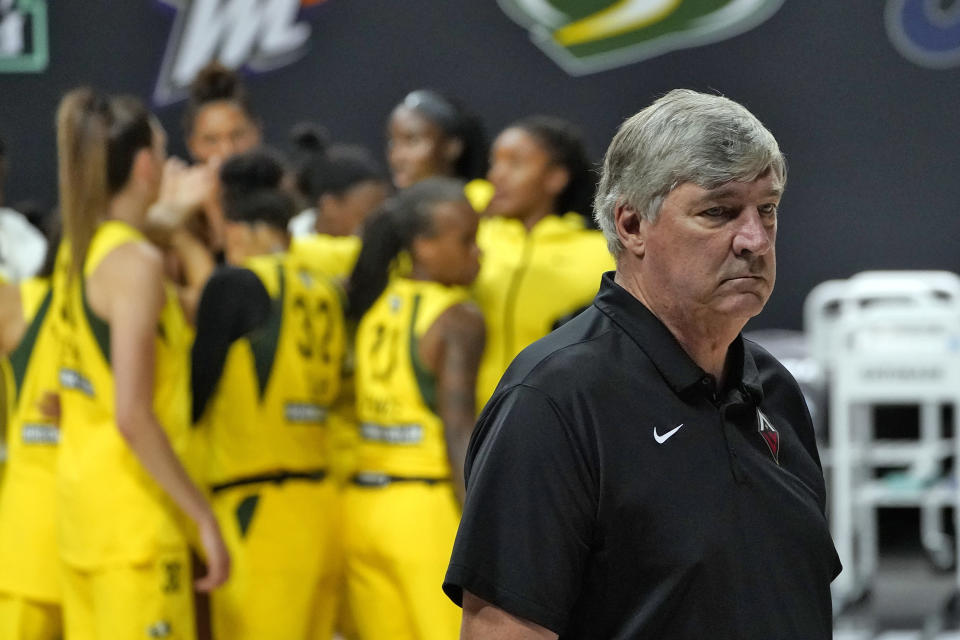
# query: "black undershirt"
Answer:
x=234 y=303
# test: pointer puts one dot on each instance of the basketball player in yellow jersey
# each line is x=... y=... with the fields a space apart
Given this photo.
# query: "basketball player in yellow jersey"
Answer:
x=343 y=185
x=540 y=261
x=123 y=389
x=431 y=134
x=29 y=567
x=418 y=348
x=266 y=369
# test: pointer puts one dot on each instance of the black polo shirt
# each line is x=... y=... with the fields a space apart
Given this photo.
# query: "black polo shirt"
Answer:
x=614 y=492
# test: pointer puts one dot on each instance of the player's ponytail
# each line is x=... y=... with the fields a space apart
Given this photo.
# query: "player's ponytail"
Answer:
x=97 y=139
x=391 y=230
x=323 y=168
x=82 y=167
x=382 y=242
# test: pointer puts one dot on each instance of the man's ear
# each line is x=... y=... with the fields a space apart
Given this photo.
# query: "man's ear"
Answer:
x=631 y=228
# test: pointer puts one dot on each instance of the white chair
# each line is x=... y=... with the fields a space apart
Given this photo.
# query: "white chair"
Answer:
x=892 y=338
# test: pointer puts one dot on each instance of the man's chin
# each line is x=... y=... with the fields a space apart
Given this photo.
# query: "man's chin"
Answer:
x=744 y=304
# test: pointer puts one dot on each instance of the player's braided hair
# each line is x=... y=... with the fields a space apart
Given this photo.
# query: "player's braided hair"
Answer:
x=563 y=142
x=389 y=231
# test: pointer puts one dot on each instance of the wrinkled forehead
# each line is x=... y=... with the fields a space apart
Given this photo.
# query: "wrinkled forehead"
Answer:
x=771 y=175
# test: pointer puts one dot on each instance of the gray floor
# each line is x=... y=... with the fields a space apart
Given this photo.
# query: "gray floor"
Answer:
x=909 y=601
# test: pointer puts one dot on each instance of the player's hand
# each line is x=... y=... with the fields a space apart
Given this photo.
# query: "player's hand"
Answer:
x=183 y=191
x=217 y=556
x=49 y=406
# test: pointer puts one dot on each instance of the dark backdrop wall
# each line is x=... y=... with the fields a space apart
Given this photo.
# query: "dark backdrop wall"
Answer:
x=871 y=136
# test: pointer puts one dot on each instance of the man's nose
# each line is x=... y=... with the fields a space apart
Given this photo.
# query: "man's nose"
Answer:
x=754 y=235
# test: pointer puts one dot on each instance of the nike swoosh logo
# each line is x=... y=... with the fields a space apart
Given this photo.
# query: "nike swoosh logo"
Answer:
x=663 y=438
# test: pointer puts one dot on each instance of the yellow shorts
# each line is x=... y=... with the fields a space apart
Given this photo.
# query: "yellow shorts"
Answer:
x=23 y=619
x=285 y=561
x=398 y=541
x=343 y=440
x=138 y=602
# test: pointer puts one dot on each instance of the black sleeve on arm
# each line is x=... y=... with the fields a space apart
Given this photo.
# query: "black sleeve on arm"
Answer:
x=234 y=303
x=528 y=520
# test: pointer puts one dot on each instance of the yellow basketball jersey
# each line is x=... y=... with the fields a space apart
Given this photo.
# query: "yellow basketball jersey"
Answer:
x=336 y=256
x=529 y=281
x=400 y=432
x=333 y=255
x=6 y=390
x=269 y=411
x=111 y=511
x=5 y=382
x=28 y=551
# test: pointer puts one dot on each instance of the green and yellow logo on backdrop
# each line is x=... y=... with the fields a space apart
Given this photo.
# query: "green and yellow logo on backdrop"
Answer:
x=23 y=36
x=584 y=36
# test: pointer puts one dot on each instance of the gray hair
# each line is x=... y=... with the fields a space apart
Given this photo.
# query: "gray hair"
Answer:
x=685 y=136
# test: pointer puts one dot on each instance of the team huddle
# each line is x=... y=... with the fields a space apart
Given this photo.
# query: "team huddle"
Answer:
x=257 y=376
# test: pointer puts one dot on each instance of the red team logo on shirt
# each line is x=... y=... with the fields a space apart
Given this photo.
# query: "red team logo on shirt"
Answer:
x=770 y=435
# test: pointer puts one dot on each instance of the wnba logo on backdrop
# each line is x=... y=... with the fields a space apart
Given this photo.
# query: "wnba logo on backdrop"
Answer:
x=258 y=34
x=584 y=36
x=926 y=32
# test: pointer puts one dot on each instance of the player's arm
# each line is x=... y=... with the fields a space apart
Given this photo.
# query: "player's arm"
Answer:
x=483 y=620
x=196 y=264
x=183 y=192
x=182 y=195
x=12 y=325
x=131 y=277
x=462 y=335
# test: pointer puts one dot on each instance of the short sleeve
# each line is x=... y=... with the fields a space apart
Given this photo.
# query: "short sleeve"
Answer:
x=529 y=514
x=233 y=303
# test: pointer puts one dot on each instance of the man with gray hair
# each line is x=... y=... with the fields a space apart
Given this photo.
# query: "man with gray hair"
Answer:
x=644 y=471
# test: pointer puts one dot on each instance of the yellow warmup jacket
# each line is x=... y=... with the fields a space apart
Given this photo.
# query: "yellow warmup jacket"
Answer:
x=531 y=281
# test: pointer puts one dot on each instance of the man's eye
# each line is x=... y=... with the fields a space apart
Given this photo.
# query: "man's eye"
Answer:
x=767 y=209
x=715 y=212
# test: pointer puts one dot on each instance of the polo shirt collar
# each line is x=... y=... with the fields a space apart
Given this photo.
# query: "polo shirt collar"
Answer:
x=666 y=354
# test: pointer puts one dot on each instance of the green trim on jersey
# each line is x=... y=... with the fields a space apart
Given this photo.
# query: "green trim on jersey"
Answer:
x=244 y=512
x=20 y=357
x=265 y=339
x=426 y=381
